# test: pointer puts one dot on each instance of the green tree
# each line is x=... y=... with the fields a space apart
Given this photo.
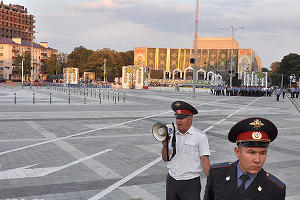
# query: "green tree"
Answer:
x=50 y=66
x=78 y=58
x=290 y=64
x=26 y=64
x=114 y=63
x=128 y=57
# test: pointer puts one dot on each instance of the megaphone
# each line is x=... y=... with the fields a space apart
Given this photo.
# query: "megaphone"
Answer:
x=161 y=131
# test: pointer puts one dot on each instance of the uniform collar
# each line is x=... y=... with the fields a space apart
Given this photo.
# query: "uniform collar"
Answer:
x=239 y=173
x=190 y=131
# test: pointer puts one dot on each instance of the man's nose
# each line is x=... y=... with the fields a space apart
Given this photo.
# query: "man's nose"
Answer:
x=257 y=158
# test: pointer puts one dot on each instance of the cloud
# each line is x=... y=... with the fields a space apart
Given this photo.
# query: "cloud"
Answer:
x=121 y=24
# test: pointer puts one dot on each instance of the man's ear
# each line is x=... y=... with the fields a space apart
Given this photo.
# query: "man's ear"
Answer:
x=237 y=152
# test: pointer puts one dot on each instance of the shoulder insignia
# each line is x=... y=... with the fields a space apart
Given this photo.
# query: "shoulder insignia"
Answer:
x=275 y=180
x=221 y=165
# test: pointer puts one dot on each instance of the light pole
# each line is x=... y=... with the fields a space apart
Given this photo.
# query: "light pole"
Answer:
x=231 y=57
x=104 y=71
x=195 y=49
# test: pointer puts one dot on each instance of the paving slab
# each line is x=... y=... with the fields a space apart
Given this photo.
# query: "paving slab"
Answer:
x=106 y=151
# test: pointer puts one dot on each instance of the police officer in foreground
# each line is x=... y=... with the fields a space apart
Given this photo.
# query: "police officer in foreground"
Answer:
x=191 y=149
x=246 y=178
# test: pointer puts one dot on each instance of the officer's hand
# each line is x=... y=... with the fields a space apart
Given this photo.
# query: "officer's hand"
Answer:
x=164 y=142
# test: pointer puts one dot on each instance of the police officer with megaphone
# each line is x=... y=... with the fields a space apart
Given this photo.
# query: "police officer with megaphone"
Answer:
x=191 y=148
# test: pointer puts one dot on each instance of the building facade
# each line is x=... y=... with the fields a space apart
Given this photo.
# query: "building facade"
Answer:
x=16 y=22
x=11 y=49
x=213 y=58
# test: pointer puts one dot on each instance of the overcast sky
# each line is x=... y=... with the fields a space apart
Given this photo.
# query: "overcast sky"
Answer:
x=272 y=26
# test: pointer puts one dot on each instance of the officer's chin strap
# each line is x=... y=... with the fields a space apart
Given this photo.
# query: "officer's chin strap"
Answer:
x=173 y=144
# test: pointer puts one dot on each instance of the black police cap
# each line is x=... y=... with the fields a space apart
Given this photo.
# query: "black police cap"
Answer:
x=183 y=109
x=253 y=132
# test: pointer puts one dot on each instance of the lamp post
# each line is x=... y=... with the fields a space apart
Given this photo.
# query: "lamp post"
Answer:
x=195 y=49
x=231 y=57
x=104 y=71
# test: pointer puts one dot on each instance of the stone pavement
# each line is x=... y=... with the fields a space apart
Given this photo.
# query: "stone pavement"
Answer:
x=106 y=151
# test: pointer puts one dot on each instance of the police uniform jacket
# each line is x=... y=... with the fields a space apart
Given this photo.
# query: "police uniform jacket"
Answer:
x=222 y=185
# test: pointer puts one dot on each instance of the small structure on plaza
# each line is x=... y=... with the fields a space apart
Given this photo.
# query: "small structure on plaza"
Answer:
x=255 y=79
x=71 y=75
x=89 y=76
x=134 y=77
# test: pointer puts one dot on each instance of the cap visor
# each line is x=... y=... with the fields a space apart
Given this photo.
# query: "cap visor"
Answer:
x=181 y=116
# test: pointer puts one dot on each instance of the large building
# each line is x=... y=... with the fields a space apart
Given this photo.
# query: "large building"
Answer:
x=10 y=49
x=16 y=22
x=213 y=58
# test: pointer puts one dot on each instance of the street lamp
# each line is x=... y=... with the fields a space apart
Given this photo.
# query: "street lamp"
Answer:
x=195 y=49
x=231 y=57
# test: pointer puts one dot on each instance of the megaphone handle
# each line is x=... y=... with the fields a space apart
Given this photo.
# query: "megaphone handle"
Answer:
x=167 y=140
x=173 y=141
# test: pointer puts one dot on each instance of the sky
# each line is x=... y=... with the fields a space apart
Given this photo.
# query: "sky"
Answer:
x=272 y=27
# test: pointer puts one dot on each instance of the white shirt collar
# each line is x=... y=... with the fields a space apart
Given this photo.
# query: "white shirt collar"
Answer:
x=190 y=131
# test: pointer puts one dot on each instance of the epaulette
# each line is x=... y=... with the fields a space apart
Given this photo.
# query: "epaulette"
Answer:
x=221 y=165
x=275 y=180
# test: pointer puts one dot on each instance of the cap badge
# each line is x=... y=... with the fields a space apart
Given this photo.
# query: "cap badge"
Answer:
x=257 y=124
x=256 y=135
x=177 y=104
x=228 y=178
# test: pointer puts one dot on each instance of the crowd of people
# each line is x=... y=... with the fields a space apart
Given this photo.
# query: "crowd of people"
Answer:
x=255 y=91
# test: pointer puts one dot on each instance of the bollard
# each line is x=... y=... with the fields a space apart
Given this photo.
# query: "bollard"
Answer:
x=118 y=97
x=115 y=98
x=100 y=98
x=33 y=98
x=84 y=100
x=50 y=98
x=69 y=98
x=95 y=94
x=108 y=95
x=15 y=98
x=124 y=97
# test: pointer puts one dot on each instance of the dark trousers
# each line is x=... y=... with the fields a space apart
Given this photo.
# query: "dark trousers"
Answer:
x=183 y=189
x=278 y=97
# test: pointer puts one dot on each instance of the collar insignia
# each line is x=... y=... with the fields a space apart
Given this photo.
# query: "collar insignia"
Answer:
x=177 y=104
x=259 y=188
x=257 y=124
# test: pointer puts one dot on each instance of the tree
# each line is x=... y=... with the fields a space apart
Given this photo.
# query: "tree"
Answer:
x=114 y=63
x=290 y=64
x=50 y=66
x=128 y=57
x=78 y=58
x=26 y=64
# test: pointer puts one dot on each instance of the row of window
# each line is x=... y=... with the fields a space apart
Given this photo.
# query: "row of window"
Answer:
x=16 y=26
x=16 y=14
x=15 y=31
x=10 y=37
x=12 y=19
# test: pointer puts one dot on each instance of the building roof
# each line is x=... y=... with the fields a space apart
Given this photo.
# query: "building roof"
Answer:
x=23 y=43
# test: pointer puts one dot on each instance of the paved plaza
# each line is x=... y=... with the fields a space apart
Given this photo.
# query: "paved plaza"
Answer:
x=105 y=150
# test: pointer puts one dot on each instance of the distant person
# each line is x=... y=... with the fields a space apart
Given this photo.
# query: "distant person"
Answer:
x=277 y=92
x=283 y=92
x=246 y=179
x=191 y=151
